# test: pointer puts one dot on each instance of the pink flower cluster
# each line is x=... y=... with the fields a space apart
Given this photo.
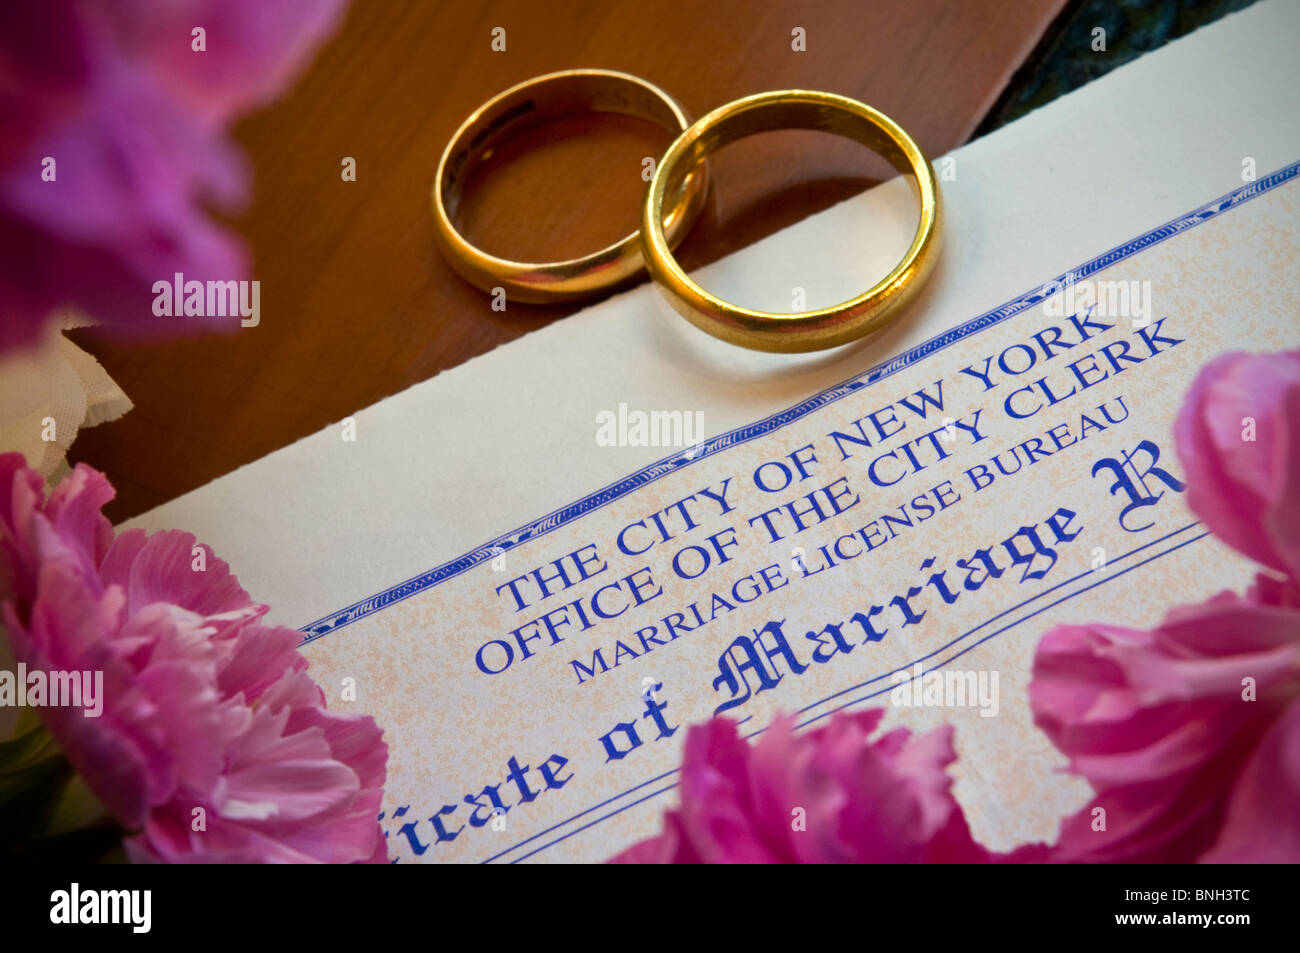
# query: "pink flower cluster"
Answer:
x=829 y=796
x=214 y=744
x=114 y=138
x=1189 y=734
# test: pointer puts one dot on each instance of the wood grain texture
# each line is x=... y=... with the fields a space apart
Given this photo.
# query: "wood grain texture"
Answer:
x=356 y=303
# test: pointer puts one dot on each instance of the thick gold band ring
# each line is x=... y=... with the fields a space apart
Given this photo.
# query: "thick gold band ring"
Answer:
x=810 y=330
x=530 y=103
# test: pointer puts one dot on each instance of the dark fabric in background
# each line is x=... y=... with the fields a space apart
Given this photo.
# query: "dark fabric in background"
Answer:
x=1064 y=59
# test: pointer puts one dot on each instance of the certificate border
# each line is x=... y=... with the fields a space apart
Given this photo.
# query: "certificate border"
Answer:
x=744 y=434
x=684 y=458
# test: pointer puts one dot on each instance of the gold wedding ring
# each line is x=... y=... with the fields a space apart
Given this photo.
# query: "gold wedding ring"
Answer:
x=810 y=330
x=535 y=101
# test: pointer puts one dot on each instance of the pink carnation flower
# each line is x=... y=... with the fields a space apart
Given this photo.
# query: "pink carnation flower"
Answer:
x=1246 y=491
x=831 y=795
x=209 y=718
x=1190 y=734
x=135 y=122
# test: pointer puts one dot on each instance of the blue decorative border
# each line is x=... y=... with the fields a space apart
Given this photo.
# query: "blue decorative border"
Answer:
x=630 y=484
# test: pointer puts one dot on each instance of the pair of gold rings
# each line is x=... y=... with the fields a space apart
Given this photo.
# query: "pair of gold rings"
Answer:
x=674 y=199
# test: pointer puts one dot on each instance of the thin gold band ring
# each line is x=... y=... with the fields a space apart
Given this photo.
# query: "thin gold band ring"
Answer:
x=530 y=103
x=811 y=330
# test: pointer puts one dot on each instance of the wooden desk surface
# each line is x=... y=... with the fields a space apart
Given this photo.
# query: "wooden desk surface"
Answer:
x=357 y=304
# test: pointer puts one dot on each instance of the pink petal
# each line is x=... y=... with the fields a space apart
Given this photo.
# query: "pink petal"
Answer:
x=1246 y=491
x=1262 y=825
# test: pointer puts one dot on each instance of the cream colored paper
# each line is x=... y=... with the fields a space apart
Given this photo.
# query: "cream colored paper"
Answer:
x=468 y=460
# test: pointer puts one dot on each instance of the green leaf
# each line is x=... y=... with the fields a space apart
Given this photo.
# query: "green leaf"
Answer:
x=27 y=748
x=47 y=811
x=28 y=797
